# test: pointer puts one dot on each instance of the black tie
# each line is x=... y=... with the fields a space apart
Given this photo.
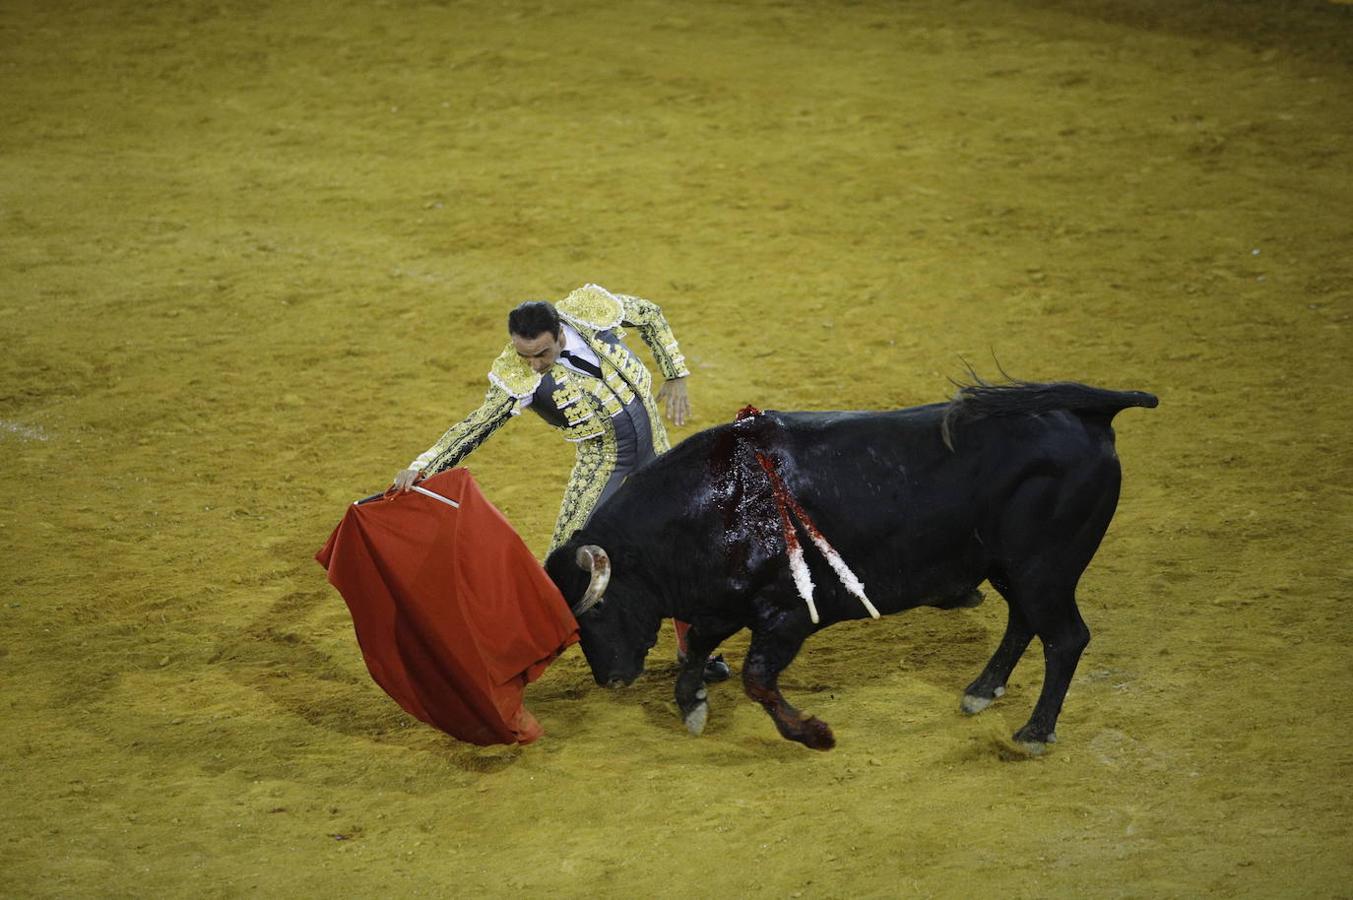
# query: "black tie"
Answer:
x=590 y=368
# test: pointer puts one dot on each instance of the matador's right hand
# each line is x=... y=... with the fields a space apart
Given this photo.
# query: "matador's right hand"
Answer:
x=673 y=393
x=405 y=479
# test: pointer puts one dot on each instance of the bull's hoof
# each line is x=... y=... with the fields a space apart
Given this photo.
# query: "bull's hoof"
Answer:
x=1032 y=744
x=817 y=734
x=973 y=704
x=696 y=718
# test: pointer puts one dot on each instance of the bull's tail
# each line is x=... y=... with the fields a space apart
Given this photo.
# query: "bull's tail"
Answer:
x=1026 y=398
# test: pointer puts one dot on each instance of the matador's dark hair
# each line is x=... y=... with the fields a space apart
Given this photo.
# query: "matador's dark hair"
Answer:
x=533 y=318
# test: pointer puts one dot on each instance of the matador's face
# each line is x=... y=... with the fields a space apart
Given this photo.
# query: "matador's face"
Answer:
x=541 y=351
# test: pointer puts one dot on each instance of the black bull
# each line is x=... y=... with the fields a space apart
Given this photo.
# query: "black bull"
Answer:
x=1012 y=484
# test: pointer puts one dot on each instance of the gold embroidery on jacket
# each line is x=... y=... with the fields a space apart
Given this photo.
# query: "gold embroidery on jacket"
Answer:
x=592 y=307
x=458 y=440
x=656 y=333
x=591 y=470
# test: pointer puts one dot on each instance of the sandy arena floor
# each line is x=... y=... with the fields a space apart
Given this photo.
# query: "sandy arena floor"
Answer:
x=254 y=257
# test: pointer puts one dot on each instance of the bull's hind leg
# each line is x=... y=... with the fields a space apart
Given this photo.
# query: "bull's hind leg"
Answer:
x=1064 y=634
x=1044 y=565
x=769 y=654
x=991 y=683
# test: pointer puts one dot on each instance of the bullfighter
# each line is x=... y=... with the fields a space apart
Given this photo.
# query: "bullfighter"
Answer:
x=568 y=363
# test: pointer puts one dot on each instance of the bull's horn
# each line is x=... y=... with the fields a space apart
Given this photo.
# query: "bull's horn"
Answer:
x=593 y=559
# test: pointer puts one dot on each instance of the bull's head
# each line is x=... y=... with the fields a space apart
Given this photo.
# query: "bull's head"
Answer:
x=615 y=635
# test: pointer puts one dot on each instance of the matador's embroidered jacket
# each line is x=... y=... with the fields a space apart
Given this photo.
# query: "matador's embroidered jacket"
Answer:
x=579 y=405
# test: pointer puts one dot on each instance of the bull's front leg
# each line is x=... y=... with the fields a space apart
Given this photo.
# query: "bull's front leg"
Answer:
x=770 y=653
x=691 y=694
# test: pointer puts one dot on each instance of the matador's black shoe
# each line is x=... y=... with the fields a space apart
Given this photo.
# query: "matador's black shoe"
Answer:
x=716 y=670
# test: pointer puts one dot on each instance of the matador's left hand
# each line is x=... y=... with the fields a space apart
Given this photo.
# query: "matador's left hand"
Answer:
x=673 y=394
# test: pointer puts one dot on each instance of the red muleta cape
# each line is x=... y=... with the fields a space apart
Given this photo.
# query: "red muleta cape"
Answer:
x=453 y=614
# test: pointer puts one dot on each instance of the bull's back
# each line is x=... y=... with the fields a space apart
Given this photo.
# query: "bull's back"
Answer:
x=911 y=498
x=918 y=513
